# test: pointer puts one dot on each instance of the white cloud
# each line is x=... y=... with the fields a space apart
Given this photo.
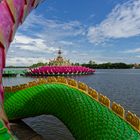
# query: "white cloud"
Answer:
x=34 y=44
x=69 y=43
x=79 y=54
x=53 y=32
x=137 y=50
x=22 y=61
x=116 y=59
x=122 y=22
x=39 y=37
x=71 y=28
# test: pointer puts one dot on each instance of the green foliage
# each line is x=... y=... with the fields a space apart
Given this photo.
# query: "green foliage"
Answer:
x=38 y=65
x=108 y=65
x=77 y=64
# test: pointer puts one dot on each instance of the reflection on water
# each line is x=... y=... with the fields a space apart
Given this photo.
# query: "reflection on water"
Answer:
x=121 y=86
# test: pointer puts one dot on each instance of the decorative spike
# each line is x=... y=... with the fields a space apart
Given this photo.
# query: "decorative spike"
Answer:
x=31 y=84
x=15 y=88
x=35 y=3
x=104 y=100
x=25 y=13
x=72 y=82
x=16 y=10
x=8 y=89
x=5 y=26
x=93 y=93
x=61 y=80
x=41 y=81
x=23 y=86
x=10 y=4
x=133 y=119
x=82 y=86
x=51 y=80
x=27 y=8
x=118 y=109
x=2 y=41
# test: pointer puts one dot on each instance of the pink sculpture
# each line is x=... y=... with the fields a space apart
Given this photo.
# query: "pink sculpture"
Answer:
x=59 y=70
x=12 y=14
x=6 y=24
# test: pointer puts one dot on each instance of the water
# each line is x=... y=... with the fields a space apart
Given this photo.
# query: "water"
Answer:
x=121 y=86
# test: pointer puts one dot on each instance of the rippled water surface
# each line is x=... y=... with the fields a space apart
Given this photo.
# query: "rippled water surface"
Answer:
x=121 y=86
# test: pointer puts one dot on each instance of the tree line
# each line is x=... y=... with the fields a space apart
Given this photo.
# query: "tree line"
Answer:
x=91 y=64
x=109 y=66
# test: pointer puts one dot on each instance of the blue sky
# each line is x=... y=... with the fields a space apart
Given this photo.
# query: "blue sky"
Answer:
x=98 y=30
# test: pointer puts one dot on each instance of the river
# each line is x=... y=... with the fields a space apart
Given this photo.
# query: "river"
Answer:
x=121 y=86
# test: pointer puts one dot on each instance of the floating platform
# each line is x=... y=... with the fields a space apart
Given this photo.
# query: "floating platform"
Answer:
x=59 y=71
x=13 y=73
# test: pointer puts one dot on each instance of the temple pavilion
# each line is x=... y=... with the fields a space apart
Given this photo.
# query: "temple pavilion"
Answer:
x=59 y=60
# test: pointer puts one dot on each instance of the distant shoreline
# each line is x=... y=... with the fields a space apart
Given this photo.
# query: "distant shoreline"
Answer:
x=90 y=64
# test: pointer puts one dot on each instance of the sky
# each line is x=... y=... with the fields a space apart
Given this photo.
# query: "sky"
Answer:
x=98 y=30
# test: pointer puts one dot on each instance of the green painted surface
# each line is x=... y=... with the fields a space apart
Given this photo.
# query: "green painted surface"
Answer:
x=85 y=118
x=14 y=72
x=4 y=135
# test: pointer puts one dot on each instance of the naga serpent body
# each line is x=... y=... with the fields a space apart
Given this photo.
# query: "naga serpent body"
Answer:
x=86 y=113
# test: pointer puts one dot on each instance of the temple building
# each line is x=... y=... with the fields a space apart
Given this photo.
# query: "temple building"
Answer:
x=59 y=67
x=59 y=60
